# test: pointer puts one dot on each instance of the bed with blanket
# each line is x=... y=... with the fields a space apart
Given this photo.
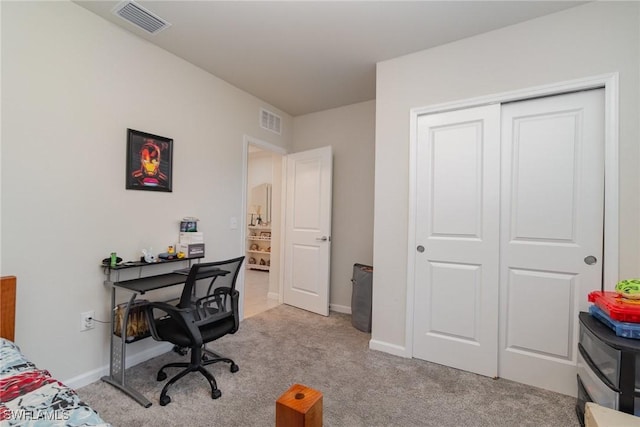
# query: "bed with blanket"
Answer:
x=30 y=396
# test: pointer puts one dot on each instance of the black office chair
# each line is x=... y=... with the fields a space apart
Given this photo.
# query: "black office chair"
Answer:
x=208 y=310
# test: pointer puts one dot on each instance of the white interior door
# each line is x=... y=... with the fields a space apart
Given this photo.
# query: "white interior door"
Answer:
x=552 y=220
x=308 y=230
x=457 y=233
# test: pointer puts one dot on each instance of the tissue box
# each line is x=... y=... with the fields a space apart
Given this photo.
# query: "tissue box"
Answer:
x=191 y=237
x=191 y=250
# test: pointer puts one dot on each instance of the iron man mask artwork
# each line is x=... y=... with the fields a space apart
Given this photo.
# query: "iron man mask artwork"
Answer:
x=149 y=173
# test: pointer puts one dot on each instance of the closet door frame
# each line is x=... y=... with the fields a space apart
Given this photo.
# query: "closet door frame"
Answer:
x=611 y=189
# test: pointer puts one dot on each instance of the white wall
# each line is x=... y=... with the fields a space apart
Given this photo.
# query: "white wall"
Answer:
x=589 y=40
x=350 y=131
x=72 y=84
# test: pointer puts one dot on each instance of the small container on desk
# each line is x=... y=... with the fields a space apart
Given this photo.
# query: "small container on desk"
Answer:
x=191 y=250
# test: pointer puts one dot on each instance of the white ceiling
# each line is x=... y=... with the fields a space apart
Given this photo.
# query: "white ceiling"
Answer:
x=308 y=56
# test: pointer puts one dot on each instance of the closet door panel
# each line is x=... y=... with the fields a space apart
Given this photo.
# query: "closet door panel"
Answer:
x=456 y=288
x=551 y=220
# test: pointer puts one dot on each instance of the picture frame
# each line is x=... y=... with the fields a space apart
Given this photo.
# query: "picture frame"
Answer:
x=149 y=162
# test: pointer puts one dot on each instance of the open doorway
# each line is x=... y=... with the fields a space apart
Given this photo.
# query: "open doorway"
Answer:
x=263 y=213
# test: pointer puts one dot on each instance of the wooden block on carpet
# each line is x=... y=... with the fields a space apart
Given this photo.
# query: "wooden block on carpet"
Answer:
x=300 y=406
x=599 y=416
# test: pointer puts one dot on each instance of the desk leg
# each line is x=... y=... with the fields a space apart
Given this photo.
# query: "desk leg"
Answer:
x=118 y=355
x=134 y=394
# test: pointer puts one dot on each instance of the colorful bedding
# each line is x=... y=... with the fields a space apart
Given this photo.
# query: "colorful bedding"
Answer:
x=31 y=397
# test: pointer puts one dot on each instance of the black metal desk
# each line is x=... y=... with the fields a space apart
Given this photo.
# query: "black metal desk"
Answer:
x=136 y=286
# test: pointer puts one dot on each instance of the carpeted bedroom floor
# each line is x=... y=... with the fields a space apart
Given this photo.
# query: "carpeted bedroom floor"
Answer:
x=361 y=387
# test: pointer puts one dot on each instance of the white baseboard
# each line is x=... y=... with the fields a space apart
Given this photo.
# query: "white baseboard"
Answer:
x=86 y=378
x=386 y=347
x=273 y=295
x=340 y=308
x=132 y=360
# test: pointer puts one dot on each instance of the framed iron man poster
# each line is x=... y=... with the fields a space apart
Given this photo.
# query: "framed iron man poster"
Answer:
x=149 y=161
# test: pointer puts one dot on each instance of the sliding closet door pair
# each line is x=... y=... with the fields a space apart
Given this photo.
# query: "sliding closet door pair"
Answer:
x=509 y=205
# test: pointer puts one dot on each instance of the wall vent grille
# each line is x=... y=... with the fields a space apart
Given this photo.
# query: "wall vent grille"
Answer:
x=270 y=121
x=140 y=17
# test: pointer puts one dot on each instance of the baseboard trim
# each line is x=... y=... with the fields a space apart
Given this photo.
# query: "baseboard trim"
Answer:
x=86 y=378
x=340 y=308
x=132 y=360
x=273 y=295
x=386 y=347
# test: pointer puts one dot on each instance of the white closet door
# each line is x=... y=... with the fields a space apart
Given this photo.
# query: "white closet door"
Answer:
x=457 y=223
x=551 y=222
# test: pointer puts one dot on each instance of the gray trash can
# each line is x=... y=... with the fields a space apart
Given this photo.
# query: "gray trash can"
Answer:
x=361 y=297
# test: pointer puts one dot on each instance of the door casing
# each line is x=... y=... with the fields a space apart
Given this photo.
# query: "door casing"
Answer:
x=248 y=140
x=611 y=197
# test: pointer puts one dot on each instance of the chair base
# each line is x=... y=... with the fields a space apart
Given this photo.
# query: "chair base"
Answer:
x=199 y=359
x=209 y=357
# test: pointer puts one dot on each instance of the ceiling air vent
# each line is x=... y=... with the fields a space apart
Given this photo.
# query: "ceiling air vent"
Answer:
x=140 y=17
x=270 y=121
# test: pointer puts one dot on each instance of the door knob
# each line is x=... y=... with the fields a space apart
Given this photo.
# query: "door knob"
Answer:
x=590 y=260
x=322 y=239
x=420 y=248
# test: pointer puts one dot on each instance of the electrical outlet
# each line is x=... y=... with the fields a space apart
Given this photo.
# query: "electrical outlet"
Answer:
x=86 y=320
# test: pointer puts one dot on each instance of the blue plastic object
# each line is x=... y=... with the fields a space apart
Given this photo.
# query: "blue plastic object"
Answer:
x=622 y=329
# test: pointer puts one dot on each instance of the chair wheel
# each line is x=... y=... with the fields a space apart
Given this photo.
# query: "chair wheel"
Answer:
x=161 y=376
x=234 y=368
x=216 y=394
x=180 y=350
x=165 y=400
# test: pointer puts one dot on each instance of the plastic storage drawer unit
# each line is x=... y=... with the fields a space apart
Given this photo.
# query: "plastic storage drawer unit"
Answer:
x=607 y=366
x=595 y=387
x=583 y=398
x=605 y=358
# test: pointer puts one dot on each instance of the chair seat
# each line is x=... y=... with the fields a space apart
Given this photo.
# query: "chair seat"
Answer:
x=169 y=330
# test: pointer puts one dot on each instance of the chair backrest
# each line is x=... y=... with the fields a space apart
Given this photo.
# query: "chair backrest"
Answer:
x=197 y=291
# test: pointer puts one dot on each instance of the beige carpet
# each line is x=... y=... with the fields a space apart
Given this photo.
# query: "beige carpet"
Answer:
x=361 y=387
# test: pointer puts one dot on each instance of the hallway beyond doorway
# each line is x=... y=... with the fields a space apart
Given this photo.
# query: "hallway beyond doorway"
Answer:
x=256 y=288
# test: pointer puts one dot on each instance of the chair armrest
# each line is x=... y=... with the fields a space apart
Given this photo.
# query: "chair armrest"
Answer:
x=182 y=316
x=213 y=303
x=235 y=298
x=222 y=290
x=213 y=308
